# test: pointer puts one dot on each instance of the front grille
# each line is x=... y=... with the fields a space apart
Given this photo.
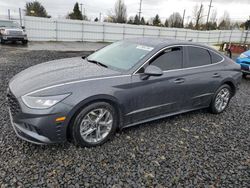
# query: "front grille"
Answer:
x=15 y=32
x=13 y=104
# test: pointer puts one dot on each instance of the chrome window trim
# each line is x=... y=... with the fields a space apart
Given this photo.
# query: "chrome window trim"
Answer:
x=181 y=45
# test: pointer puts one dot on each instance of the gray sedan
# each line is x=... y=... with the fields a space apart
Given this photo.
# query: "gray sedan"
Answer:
x=85 y=100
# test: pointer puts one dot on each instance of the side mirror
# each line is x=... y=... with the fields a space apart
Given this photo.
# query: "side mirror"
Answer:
x=152 y=70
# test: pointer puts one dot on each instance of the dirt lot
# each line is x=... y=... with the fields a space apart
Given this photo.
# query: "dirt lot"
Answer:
x=196 y=149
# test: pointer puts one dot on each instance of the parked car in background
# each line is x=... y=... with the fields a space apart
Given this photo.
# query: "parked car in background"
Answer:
x=12 y=31
x=124 y=84
x=244 y=61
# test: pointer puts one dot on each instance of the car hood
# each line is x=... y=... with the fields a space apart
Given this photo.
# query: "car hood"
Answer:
x=11 y=29
x=56 y=72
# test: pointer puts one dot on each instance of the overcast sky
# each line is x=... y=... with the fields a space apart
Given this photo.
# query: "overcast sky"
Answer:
x=238 y=9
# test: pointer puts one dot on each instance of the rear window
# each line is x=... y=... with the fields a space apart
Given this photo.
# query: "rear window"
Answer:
x=215 y=57
x=198 y=57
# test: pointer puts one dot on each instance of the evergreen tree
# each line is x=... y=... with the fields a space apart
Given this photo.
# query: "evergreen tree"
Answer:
x=136 y=20
x=166 y=23
x=35 y=9
x=76 y=14
x=143 y=21
x=156 y=20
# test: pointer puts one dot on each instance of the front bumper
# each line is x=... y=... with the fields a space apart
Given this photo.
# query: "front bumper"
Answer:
x=14 y=37
x=38 y=126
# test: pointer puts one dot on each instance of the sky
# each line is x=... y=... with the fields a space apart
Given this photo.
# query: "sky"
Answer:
x=239 y=10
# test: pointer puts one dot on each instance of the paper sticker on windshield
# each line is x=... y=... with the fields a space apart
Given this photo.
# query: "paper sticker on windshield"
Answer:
x=146 y=48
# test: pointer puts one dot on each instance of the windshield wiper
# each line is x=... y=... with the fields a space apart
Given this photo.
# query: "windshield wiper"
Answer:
x=96 y=62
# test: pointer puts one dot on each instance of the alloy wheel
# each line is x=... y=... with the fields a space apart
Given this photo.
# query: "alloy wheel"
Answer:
x=222 y=99
x=96 y=125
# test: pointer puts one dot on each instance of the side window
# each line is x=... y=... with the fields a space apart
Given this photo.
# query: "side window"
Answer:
x=169 y=59
x=215 y=57
x=198 y=57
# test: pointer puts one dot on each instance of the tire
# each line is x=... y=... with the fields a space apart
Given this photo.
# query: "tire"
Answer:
x=85 y=127
x=244 y=75
x=24 y=42
x=214 y=107
x=2 y=41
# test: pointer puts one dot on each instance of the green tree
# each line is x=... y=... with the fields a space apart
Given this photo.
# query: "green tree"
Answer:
x=130 y=20
x=166 y=24
x=247 y=25
x=35 y=9
x=157 y=20
x=76 y=14
x=143 y=21
x=136 y=20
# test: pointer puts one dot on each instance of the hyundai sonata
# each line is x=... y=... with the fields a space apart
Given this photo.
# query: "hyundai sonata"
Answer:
x=129 y=82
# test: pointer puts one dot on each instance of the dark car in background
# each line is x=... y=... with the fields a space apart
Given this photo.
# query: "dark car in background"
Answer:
x=130 y=82
x=11 y=31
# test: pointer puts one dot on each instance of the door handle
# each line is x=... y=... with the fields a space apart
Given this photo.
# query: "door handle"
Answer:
x=216 y=75
x=179 y=80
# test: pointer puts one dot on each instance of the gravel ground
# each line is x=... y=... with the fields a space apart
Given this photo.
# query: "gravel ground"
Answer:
x=195 y=149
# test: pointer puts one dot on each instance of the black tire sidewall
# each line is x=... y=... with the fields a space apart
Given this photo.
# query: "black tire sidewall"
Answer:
x=78 y=140
x=212 y=106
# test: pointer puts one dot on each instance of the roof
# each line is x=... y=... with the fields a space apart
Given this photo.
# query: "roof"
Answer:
x=161 y=42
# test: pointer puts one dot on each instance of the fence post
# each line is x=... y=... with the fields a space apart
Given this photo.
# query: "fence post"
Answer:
x=219 y=37
x=103 y=32
x=246 y=37
x=56 y=30
x=175 y=33
x=143 y=31
x=186 y=35
x=123 y=31
x=198 y=33
x=230 y=35
x=159 y=33
x=82 y=31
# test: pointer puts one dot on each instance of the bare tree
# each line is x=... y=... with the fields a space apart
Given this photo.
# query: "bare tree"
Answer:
x=175 y=20
x=225 y=22
x=120 y=12
x=198 y=14
x=213 y=17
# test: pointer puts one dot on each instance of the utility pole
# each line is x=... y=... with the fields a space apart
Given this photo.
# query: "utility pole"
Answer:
x=210 y=5
x=81 y=7
x=183 y=17
x=9 y=14
x=140 y=10
x=100 y=16
x=20 y=17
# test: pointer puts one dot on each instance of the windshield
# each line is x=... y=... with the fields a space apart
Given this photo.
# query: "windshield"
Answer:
x=8 y=24
x=121 y=55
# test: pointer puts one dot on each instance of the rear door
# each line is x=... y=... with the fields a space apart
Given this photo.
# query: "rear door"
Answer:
x=203 y=74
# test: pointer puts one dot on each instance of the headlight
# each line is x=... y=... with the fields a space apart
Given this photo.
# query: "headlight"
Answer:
x=4 y=32
x=42 y=102
x=243 y=56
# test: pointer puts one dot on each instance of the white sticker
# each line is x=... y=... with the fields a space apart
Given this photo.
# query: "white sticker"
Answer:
x=146 y=48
